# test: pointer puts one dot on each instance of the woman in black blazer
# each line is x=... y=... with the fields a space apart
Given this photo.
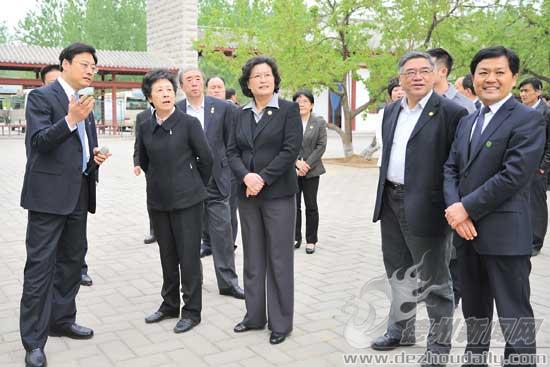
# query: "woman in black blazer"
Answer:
x=308 y=168
x=262 y=151
x=174 y=154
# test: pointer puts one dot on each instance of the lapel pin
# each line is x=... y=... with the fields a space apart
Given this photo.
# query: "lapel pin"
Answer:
x=212 y=110
x=430 y=113
x=311 y=127
x=269 y=112
x=489 y=144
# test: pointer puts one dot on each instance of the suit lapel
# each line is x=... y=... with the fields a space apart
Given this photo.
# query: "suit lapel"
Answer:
x=209 y=112
x=502 y=114
x=392 y=123
x=269 y=113
x=61 y=96
x=465 y=143
x=428 y=112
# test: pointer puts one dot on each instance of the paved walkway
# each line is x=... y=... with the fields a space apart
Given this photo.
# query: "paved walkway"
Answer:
x=331 y=285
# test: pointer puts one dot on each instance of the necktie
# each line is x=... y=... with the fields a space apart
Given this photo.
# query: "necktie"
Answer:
x=82 y=135
x=476 y=136
x=478 y=104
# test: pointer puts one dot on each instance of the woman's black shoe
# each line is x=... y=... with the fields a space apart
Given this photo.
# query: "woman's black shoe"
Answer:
x=297 y=244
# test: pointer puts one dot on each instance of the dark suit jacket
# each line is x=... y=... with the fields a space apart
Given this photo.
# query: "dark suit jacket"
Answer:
x=545 y=111
x=218 y=120
x=314 y=145
x=140 y=118
x=53 y=172
x=270 y=151
x=176 y=160
x=493 y=184
x=427 y=150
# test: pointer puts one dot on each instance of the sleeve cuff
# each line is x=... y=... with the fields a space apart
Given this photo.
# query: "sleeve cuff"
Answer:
x=69 y=126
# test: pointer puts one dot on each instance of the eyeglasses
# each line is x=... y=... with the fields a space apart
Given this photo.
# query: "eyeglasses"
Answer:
x=411 y=73
x=86 y=66
x=261 y=76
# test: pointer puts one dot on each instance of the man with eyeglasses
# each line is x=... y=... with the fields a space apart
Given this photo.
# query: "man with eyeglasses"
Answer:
x=417 y=133
x=59 y=189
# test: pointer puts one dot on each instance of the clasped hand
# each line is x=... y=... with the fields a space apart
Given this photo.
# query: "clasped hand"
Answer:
x=254 y=184
x=460 y=221
x=302 y=168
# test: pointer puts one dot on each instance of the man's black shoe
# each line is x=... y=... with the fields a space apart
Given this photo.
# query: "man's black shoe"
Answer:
x=276 y=338
x=297 y=244
x=73 y=331
x=206 y=252
x=384 y=342
x=241 y=327
x=185 y=325
x=85 y=280
x=149 y=239
x=235 y=292
x=159 y=316
x=35 y=358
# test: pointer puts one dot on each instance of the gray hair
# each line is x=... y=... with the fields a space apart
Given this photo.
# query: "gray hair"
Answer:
x=188 y=69
x=414 y=55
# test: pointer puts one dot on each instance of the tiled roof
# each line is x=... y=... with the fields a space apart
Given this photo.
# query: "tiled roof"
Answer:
x=24 y=54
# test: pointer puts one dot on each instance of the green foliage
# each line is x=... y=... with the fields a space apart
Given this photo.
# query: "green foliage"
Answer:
x=105 y=24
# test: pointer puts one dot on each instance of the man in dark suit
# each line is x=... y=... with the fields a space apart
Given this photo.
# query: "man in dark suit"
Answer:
x=494 y=157
x=529 y=91
x=58 y=191
x=216 y=117
x=140 y=118
x=417 y=132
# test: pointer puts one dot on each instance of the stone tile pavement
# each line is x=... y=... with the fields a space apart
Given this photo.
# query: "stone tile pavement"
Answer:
x=330 y=286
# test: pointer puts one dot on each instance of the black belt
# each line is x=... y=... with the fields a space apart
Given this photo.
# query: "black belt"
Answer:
x=394 y=186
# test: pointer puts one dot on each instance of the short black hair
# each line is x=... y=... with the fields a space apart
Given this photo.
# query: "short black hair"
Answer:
x=546 y=97
x=468 y=83
x=74 y=49
x=46 y=69
x=536 y=83
x=230 y=92
x=155 y=75
x=392 y=83
x=441 y=55
x=493 y=52
x=304 y=92
x=247 y=70
x=212 y=77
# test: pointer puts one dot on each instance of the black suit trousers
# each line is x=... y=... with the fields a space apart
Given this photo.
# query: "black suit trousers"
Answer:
x=55 y=252
x=504 y=280
x=309 y=188
x=178 y=235
x=539 y=210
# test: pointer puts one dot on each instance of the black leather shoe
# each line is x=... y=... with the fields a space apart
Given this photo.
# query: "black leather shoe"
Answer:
x=73 y=331
x=185 y=325
x=159 y=316
x=206 y=252
x=384 y=342
x=235 y=292
x=310 y=248
x=85 y=280
x=241 y=327
x=297 y=244
x=35 y=358
x=276 y=338
x=149 y=239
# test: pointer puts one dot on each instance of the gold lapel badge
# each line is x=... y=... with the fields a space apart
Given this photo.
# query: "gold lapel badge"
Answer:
x=212 y=110
x=430 y=113
x=311 y=127
x=269 y=112
x=488 y=144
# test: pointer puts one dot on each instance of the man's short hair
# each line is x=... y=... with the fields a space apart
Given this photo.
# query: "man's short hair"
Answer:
x=414 y=55
x=74 y=49
x=213 y=77
x=442 y=56
x=536 y=83
x=188 y=69
x=392 y=83
x=494 y=52
x=46 y=69
x=230 y=92
x=468 y=83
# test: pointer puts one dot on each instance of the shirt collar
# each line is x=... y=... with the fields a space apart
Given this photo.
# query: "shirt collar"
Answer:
x=496 y=106
x=159 y=121
x=421 y=104
x=190 y=106
x=69 y=91
x=451 y=92
x=537 y=103
x=273 y=103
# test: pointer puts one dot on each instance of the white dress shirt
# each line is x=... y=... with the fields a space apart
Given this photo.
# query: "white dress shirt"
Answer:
x=273 y=102
x=405 y=125
x=196 y=112
x=70 y=92
x=489 y=115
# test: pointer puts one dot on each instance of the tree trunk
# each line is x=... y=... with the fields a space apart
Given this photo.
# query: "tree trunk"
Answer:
x=369 y=151
x=346 y=142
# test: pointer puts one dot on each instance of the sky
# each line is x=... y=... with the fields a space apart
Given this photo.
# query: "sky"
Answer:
x=13 y=11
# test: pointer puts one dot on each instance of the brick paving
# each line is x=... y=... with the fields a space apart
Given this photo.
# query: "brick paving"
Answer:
x=127 y=279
